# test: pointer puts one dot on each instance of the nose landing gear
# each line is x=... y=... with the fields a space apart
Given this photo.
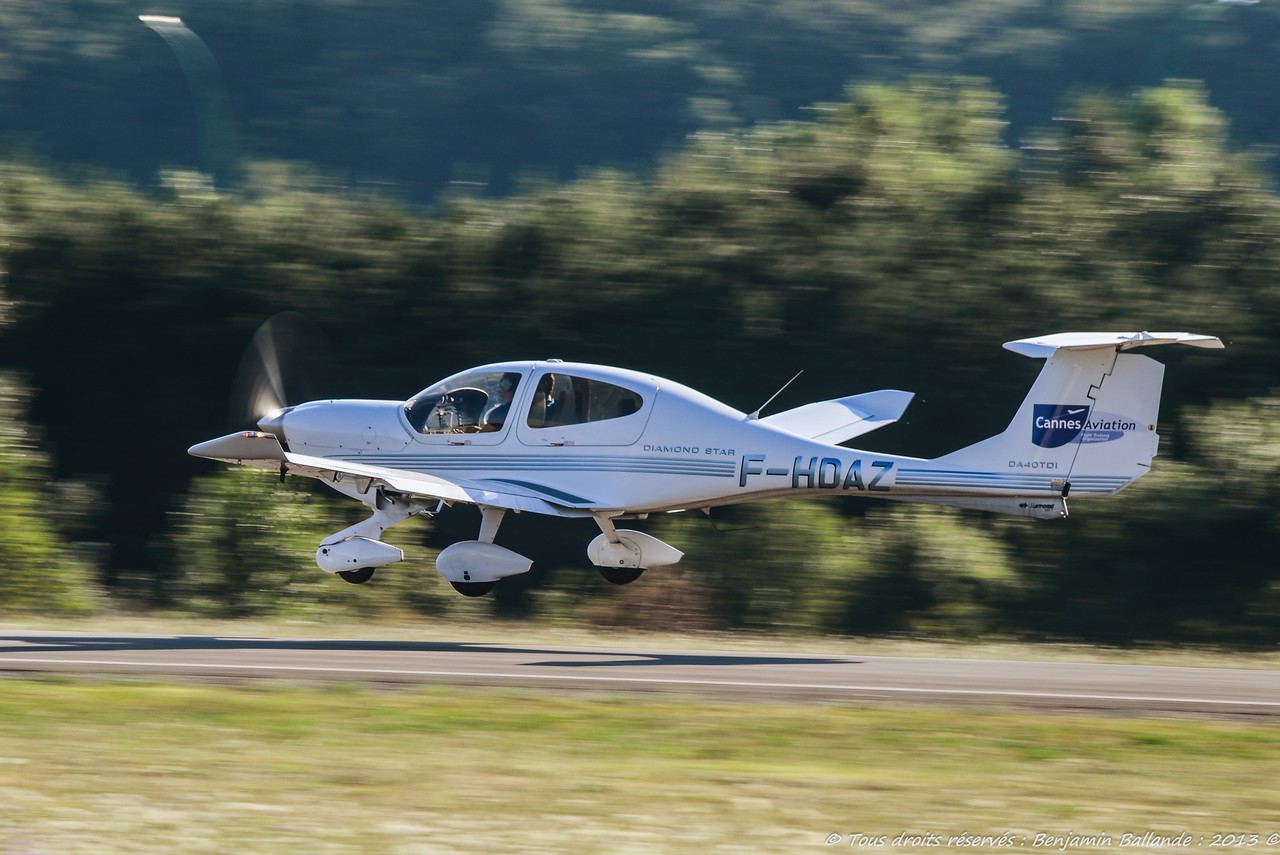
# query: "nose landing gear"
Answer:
x=473 y=566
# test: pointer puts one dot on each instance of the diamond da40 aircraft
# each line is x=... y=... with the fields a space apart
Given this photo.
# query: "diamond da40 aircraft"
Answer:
x=575 y=440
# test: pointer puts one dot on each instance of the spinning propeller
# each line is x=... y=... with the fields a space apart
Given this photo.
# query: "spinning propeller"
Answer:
x=278 y=369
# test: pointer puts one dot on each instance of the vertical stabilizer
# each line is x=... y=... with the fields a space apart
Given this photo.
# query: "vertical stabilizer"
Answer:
x=1088 y=425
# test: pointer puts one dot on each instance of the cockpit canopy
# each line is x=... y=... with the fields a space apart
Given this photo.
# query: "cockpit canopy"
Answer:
x=484 y=400
x=471 y=402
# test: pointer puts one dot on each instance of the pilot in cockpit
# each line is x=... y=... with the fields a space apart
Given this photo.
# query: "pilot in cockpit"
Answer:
x=494 y=419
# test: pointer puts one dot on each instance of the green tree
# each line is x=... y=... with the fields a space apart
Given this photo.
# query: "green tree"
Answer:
x=43 y=571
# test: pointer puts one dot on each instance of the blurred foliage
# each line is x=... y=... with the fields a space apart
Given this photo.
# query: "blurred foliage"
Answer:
x=422 y=96
x=44 y=570
x=891 y=241
x=245 y=549
x=797 y=566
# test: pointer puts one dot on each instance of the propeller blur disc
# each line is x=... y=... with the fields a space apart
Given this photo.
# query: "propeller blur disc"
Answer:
x=278 y=369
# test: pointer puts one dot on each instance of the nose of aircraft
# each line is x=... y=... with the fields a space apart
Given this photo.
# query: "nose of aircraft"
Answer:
x=312 y=428
x=339 y=425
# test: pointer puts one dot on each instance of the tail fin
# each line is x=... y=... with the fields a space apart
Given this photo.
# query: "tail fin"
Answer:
x=1088 y=425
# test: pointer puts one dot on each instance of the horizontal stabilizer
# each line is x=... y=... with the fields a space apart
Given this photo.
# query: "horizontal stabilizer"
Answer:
x=844 y=418
x=1044 y=346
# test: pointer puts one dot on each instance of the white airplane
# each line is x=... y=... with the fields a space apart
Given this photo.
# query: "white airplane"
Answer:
x=574 y=440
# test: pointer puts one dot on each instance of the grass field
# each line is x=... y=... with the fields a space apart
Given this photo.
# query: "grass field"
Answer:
x=120 y=766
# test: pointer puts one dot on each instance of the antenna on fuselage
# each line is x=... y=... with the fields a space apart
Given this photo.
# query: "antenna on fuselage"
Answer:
x=760 y=408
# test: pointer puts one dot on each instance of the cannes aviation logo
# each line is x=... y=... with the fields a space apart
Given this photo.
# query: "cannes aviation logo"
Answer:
x=1054 y=425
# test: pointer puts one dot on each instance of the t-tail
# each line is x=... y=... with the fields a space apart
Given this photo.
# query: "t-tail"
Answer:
x=1087 y=427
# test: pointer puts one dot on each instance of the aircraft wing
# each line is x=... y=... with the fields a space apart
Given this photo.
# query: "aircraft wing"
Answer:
x=489 y=493
x=844 y=418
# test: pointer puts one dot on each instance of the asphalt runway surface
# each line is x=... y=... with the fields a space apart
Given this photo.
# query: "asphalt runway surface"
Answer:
x=772 y=677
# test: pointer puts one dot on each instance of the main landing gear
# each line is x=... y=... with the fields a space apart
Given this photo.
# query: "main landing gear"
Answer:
x=622 y=555
x=473 y=566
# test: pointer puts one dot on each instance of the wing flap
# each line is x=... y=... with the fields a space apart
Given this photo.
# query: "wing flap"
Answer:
x=844 y=418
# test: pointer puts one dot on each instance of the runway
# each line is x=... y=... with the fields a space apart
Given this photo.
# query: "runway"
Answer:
x=770 y=677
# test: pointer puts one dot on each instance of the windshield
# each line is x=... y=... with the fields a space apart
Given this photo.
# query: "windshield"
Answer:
x=472 y=402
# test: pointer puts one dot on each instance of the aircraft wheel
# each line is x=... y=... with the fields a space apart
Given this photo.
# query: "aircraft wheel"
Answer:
x=621 y=575
x=472 y=589
x=357 y=577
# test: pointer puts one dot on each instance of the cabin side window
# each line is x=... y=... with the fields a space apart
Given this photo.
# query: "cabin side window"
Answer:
x=563 y=399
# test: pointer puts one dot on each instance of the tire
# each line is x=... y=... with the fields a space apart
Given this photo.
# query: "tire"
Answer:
x=472 y=589
x=357 y=577
x=621 y=575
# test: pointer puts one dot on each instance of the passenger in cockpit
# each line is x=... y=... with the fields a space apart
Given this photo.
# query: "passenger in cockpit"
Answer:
x=542 y=412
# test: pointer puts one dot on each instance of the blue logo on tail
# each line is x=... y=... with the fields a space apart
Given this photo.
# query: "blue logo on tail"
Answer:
x=1055 y=425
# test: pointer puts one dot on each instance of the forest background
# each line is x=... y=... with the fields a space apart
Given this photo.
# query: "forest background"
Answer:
x=722 y=193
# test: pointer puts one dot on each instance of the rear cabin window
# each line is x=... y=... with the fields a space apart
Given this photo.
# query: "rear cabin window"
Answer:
x=562 y=399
